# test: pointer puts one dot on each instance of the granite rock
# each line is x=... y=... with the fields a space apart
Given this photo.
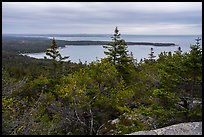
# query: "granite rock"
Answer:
x=191 y=128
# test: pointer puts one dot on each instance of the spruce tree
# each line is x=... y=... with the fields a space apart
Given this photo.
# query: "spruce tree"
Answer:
x=55 y=55
x=151 y=56
x=194 y=62
x=117 y=50
x=118 y=54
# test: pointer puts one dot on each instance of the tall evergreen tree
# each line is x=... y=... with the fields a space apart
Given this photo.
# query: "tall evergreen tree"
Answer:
x=193 y=63
x=55 y=55
x=117 y=53
x=117 y=50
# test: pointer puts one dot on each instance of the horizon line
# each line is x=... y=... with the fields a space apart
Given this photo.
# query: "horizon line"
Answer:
x=86 y=34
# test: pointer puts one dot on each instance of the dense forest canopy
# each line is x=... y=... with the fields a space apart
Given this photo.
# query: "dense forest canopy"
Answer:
x=114 y=95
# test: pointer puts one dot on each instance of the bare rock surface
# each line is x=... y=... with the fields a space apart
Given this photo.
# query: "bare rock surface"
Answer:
x=191 y=128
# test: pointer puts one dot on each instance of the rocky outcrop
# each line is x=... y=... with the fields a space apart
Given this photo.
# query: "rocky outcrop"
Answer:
x=191 y=128
x=127 y=121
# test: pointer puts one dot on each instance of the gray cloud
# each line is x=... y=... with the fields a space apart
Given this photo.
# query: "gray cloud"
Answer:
x=97 y=17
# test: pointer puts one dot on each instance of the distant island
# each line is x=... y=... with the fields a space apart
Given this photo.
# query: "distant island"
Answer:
x=106 y=42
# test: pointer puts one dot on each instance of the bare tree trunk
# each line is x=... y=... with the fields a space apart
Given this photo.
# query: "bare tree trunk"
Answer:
x=91 y=126
x=192 y=92
x=97 y=133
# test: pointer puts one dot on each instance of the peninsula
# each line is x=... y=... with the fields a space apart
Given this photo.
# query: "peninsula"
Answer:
x=106 y=42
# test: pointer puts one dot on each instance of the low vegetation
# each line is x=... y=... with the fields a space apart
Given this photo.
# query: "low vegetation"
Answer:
x=114 y=95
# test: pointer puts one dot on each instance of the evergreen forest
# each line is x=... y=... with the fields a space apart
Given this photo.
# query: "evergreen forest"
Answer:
x=115 y=95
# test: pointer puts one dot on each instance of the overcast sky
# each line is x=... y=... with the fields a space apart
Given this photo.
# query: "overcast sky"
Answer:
x=102 y=17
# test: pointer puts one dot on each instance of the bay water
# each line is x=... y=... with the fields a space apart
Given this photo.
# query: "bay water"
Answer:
x=89 y=53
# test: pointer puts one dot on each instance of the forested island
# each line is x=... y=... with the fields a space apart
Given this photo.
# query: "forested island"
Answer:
x=115 y=95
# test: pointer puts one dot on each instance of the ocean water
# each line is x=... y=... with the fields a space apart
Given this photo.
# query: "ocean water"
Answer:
x=89 y=53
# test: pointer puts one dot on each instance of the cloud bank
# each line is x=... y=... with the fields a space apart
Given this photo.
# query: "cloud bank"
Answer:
x=101 y=17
